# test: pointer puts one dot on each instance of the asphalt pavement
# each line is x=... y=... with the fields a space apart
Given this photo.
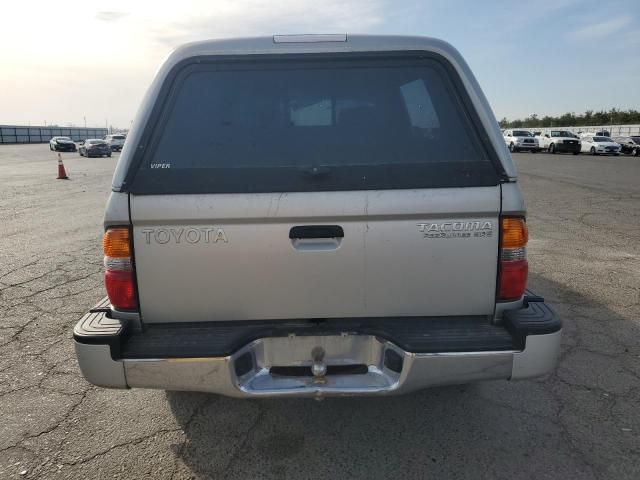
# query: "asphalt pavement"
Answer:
x=581 y=422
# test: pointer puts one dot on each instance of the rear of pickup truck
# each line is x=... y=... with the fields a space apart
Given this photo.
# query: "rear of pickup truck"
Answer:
x=312 y=216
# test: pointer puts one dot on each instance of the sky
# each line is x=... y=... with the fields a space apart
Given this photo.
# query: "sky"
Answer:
x=71 y=61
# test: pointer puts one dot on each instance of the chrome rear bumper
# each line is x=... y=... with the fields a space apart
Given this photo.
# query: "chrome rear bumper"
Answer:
x=252 y=371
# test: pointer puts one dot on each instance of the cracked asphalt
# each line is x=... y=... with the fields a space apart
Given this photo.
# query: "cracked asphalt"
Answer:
x=582 y=421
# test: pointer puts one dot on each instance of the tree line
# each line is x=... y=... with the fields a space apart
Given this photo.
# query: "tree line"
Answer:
x=603 y=117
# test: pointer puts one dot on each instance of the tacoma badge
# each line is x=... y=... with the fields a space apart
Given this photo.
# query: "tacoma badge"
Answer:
x=467 y=229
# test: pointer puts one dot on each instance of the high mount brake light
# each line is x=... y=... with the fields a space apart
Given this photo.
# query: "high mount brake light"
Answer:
x=513 y=268
x=119 y=277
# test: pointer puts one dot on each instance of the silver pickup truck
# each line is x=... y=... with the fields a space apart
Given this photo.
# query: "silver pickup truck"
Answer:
x=315 y=215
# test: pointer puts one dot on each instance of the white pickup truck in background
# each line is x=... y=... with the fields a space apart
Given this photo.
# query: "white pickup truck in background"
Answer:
x=519 y=140
x=559 y=141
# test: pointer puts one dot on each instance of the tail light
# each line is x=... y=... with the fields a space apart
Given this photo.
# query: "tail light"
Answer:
x=513 y=268
x=119 y=276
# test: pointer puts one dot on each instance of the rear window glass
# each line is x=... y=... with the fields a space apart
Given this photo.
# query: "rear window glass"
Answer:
x=313 y=127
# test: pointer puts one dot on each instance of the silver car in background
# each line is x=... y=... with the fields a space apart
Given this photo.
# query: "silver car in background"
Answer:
x=292 y=216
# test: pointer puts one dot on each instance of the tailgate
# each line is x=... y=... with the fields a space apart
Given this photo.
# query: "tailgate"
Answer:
x=402 y=253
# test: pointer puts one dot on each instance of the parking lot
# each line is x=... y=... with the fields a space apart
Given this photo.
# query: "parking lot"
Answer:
x=581 y=422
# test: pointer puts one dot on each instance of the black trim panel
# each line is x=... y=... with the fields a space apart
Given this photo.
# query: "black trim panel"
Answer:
x=412 y=334
x=96 y=328
x=216 y=339
x=316 y=231
x=536 y=318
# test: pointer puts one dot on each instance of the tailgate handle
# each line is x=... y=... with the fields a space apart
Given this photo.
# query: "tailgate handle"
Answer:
x=316 y=231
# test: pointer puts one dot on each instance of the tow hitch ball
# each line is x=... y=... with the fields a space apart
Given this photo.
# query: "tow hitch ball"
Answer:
x=318 y=367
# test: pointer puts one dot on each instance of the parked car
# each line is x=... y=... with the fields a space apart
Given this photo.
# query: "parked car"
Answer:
x=115 y=141
x=521 y=140
x=62 y=144
x=630 y=145
x=94 y=147
x=559 y=141
x=599 y=145
x=283 y=244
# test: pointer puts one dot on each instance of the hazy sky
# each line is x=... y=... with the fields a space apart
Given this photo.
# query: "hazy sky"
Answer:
x=63 y=60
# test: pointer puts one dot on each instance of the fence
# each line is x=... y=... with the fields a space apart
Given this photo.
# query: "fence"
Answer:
x=35 y=134
x=614 y=130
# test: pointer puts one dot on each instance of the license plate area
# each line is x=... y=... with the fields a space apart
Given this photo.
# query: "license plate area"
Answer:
x=339 y=364
x=356 y=369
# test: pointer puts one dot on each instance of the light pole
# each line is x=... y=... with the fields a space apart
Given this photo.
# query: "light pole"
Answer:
x=611 y=122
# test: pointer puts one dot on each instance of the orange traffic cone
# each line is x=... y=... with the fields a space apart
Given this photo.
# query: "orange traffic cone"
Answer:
x=62 y=174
